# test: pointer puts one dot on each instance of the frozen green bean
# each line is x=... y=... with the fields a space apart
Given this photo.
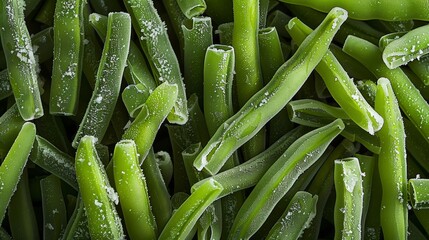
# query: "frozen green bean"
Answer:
x=238 y=129
x=68 y=56
x=10 y=125
x=419 y=193
x=21 y=63
x=192 y=8
x=77 y=227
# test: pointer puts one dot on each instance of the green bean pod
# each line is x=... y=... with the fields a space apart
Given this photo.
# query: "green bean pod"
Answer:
x=419 y=193
x=368 y=89
x=238 y=129
x=109 y=77
x=21 y=63
x=270 y=52
x=373 y=9
x=165 y=164
x=134 y=96
x=225 y=33
x=97 y=195
x=408 y=47
x=54 y=209
x=279 y=178
x=197 y=35
x=182 y=221
x=192 y=8
x=132 y=190
x=392 y=164
x=349 y=199
x=297 y=217
x=339 y=84
x=410 y=100
x=165 y=66
x=68 y=56
x=13 y=164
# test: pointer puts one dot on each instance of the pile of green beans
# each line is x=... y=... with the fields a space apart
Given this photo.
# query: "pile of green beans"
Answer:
x=214 y=119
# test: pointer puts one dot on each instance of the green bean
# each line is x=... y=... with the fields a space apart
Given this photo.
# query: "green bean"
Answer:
x=350 y=27
x=339 y=84
x=297 y=217
x=50 y=158
x=21 y=64
x=192 y=8
x=225 y=33
x=410 y=100
x=97 y=195
x=161 y=204
x=209 y=226
x=134 y=96
x=271 y=56
x=372 y=227
x=165 y=164
x=416 y=145
x=271 y=99
x=417 y=82
x=349 y=199
x=397 y=26
x=46 y=12
x=109 y=76
x=421 y=69
x=136 y=70
x=188 y=156
x=10 y=124
x=54 y=209
x=182 y=221
x=176 y=17
x=410 y=46
x=21 y=215
x=280 y=177
x=13 y=164
x=68 y=56
x=279 y=20
x=165 y=67
x=77 y=227
x=131 y=185
x=370 y=9
x=197 y=38
x=392 y=164
x=419 y=193
x=106 y=6
x=52 y=129
x=353 y=67
x=249 y=173
x=368 y=89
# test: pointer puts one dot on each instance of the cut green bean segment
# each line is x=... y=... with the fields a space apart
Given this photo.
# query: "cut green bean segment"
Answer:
x=109 y=77
x=21 y=215
x=176 y=18
x=415 y=108
x=144 y=128
x=54 y=209
x=10 y=125
x=339 y=84
x=297 y=217
x=371 y=9
x=77 y=227
x=21 y=63
x=165 y=67
x=192 y=8
x=410 y=46
x=392 y=164
x=68 y=56
x=419 y=193
x=136 y=70
x=165 y=164
x=349 y=199
x=280 y=177
x=197 y=34
x=209 y=225
x=368 y=89
x=12 y=166
x=238 y=129
x=270 y=52
x=97 y=195
x=225 y=33
x=134 y=96
x=183 y=220
x=249 y=173
x=132 y=190
x=50 y=158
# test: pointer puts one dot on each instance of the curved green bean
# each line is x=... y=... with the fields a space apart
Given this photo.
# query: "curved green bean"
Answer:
x=349 y=199
x=109 y=77
x=157 y=47
x=13 y=164
x=21 y=63
x=97 y=195
x=410 y=100
x=297 y=217
x=278 y=179
x=373 y=9
x=192 y=8
x=419 y=193
x=339 y=84
x=132 y=190
x=392 y=164
x=238 y=129
x=68 y=56
x=184 y=218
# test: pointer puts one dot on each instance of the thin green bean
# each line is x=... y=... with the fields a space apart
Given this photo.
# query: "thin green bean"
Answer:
x=419 y=193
